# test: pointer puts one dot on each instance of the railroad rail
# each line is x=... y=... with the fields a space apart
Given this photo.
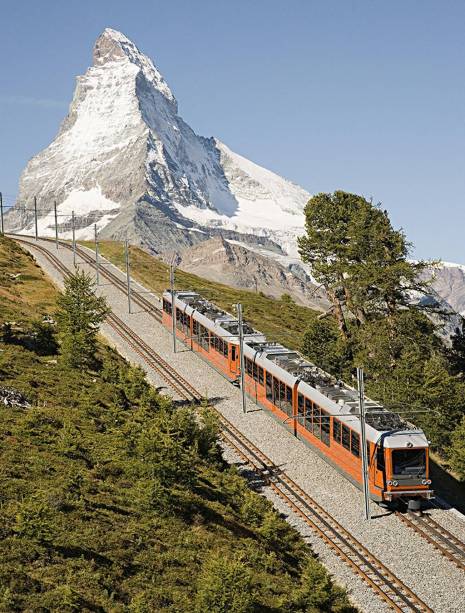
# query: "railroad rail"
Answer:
x=371 y=570
x=429 y=529
x=148 y=306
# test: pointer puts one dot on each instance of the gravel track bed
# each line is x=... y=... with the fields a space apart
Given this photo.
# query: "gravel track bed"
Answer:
x=432 y=577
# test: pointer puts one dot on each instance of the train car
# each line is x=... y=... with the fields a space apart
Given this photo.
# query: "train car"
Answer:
x=318 y=409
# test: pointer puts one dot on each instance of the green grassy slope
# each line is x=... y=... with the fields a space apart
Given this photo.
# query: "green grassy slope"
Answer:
x=280 y=320
x=113 y=499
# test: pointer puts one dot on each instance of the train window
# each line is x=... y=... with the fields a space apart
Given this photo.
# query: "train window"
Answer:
x=308 y=414
x=255 y=371
x=286 y=399
x=195 y=327
x=345 y=436
x=316 y=421
x=380 y=464
x=225 y=349
x=276 y=396
x=325 y=427
x=166 y=306
x=248 y=367
x=337 y=430
x=300 y=405
x=355 y=443
x=269 y=387
x=289 y=395
x=233 y=353
x=203 y=333
x=260 y=375
x=410 y=462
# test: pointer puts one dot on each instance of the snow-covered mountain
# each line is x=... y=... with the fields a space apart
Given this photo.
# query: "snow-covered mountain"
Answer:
x=124 y=159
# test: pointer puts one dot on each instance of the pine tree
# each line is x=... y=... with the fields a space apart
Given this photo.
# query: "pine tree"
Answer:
x=224 y=586
x=79 y=316
x=358 y=257
x=457 y=450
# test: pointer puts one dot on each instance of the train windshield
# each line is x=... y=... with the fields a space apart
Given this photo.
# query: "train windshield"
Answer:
x=409 y=462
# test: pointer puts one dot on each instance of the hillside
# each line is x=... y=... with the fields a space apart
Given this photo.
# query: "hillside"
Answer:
x=281 y=320
x=114 y=499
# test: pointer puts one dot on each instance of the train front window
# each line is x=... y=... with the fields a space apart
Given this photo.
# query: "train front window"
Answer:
x=409 y=462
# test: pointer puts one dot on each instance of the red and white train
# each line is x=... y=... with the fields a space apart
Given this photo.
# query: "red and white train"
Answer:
x=308 y=401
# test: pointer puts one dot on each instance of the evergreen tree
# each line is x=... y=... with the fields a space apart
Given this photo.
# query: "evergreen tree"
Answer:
x=323 y=345
x=224 y=586
x=361 y=260
x=457 y=450
x=79 y=316
x=457 y=350
x=358 y=257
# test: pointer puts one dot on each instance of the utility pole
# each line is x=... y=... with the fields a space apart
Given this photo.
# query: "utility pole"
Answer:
x=173 y=299
x=128 y=275
x=361 y=401
x=96 y=254
x=241 y=356
x=35 y=217
x=2 y=228
x=56 y=222
x=73 y=227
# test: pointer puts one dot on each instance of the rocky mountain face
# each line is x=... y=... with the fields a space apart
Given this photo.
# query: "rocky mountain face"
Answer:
x=125 y=160
x=240 y=265
x=449 y=283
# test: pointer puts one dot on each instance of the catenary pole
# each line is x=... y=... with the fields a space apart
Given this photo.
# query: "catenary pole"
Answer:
x=96 y=255
x=35 y=218
x=241 y=356
x=128 y=274
x=173 y=301
x=73 y=227
x=56 y=222
x=2 y=228
x=361 y=401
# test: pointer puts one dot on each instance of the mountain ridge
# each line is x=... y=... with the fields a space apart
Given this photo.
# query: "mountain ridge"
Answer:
x=124 y=159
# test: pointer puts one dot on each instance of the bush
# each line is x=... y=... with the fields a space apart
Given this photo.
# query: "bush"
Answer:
x=224 y=586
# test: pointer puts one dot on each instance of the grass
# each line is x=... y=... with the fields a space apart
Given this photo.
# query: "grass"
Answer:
x=25 y=292
x=279 y=320
x=115 y=499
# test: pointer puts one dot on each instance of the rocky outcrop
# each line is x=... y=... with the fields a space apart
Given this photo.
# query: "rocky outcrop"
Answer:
x=449 y=283
x=123 y=159
x=237 y=265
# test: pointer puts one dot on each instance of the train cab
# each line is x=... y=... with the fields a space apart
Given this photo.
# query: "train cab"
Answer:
x=405 y=466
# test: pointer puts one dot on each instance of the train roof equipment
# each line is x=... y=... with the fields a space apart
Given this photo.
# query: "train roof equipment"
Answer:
x=343 y=398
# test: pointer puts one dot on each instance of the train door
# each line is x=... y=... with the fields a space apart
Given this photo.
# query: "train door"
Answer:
x=233 y=359
x=379 y=466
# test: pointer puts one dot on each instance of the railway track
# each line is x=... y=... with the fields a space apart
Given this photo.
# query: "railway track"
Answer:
x=429 y=529
x=148 y=306
x=371 y=570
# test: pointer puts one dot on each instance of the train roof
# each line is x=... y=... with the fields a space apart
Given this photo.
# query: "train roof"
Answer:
x=224 y=324
x=332 y=394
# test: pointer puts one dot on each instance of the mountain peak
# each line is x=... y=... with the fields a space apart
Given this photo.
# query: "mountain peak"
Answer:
x=110 y=47
x=114 y=46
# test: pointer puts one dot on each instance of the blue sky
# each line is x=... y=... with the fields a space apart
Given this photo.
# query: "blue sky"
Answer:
x=362 y=95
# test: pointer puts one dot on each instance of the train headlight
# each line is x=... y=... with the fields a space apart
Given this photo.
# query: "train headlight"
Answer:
x=395 y=483
x=428 y=481
x=424 y=482
x=389 y=482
